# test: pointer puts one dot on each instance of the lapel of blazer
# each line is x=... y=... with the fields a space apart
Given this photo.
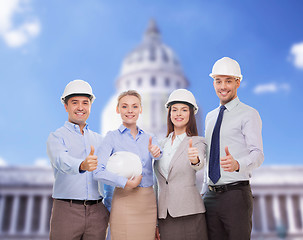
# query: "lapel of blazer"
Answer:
x=156 y=163
x=182 y=147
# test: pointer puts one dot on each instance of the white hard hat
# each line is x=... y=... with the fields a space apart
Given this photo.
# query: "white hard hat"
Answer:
x=226 y=66
x=125 y=164
x=182 y=96
x=78 y=87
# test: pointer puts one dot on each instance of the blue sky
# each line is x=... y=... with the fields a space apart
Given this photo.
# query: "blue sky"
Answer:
x=46 y=44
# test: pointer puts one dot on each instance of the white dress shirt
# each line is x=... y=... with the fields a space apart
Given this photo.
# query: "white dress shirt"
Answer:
x=169 y=150
x=241 y=132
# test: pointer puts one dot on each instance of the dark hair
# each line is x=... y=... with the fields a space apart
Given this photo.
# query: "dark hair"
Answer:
x=75 y=95
x=191 y=127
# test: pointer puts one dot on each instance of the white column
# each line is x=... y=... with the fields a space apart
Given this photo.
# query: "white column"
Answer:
x=264 y=223
x=43 y=214
x=14 y=216
x=2 y=204
x=277 y=210
x=290 y=214
x=29 y=214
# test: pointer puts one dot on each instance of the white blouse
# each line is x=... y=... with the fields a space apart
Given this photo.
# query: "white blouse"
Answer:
x=169 y=150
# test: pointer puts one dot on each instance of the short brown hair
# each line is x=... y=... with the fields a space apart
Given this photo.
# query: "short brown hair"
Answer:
x=191 y=127
x=129 y=93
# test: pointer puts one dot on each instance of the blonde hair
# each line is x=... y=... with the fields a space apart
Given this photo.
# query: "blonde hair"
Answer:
x=129 y=93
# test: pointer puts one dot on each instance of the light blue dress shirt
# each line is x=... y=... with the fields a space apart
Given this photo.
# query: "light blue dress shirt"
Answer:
x=67 y=148
x=241 y=131
x=122 y=140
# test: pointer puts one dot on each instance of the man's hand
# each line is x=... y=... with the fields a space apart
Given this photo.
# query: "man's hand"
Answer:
x=133 y=182
x=91 y=162
x=153 y=149
x=228 y=163
x=193 y=154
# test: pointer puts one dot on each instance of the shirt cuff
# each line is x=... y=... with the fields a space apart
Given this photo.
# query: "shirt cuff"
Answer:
x=121 y=182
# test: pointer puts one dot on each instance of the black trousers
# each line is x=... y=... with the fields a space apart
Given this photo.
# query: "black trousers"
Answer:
x=229 y=214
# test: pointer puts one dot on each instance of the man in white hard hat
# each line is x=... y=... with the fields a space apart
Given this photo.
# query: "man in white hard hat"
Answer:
x=233 y=134
x=78 y=211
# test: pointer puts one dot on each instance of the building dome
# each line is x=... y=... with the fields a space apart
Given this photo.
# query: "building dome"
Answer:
x=147 y=58
x=151 y=54
x=153 y=70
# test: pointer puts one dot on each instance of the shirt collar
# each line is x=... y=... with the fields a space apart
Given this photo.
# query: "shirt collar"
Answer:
x=122 y=129
x=75 y=127
x=179 y=137
x=232 y=104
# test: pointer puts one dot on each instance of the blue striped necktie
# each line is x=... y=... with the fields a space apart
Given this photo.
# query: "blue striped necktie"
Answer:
x=214 y=156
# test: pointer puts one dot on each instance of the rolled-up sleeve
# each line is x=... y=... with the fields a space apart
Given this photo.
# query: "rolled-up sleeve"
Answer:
x=60 y=157
x=101 y=173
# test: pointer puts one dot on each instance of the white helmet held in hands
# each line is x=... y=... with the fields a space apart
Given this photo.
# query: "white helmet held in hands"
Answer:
x=78 y=87
x=125 y=164
x=182 y=96
x=226 y=66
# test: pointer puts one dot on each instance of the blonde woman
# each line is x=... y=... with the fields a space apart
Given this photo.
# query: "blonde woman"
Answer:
x=134 y=211
x=181 y=211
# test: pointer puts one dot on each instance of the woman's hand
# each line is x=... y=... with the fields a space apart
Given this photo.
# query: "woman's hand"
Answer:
x=133 y=182
x=193 y=154
x=153 y=149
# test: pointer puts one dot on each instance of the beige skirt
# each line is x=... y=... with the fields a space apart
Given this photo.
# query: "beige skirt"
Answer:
x=133 y=214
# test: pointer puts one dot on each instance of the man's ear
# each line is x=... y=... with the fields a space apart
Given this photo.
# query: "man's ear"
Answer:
x=65 y=106
x=117 y=110
x=238 y=83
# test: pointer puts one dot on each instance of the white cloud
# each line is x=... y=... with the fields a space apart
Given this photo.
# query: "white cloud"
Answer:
x=16 y=36
x=296 y=52
x=271 y=88
x=2 y=162
x=42 y=162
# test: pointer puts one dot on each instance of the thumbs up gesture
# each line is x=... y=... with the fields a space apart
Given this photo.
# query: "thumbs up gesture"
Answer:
x=153 y=149
x=90 y=163
x=228 y=163
x=193 y=154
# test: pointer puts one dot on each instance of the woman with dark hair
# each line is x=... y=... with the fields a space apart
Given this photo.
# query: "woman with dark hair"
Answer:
x=181 y=211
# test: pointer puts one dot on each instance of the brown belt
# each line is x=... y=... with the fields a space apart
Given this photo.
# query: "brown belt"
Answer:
x=227 y=187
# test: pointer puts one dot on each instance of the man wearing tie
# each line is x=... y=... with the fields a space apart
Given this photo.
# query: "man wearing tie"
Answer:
x=233 y=133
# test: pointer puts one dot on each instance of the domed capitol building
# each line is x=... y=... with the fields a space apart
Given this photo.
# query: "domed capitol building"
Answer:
x=154 y=70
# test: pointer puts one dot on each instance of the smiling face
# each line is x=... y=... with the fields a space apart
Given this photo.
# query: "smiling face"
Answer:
x=179 y=115
x=226 y=88
x=78 y=109
x=129 y=108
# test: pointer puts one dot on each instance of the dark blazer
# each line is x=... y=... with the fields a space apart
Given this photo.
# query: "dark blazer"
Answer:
x=178 y=193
